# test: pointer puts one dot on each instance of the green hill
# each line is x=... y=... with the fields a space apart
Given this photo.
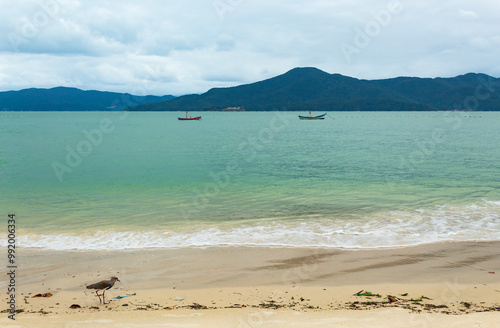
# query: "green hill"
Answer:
x=71 y=99
x=303 y=89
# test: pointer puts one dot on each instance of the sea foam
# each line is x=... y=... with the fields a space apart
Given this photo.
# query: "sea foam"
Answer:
x=475 y=222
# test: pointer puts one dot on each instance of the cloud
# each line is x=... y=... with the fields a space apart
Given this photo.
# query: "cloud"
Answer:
x=468 y=13
x=178 y=47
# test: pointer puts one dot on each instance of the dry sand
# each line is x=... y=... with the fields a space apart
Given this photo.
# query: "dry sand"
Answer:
x=438 y=285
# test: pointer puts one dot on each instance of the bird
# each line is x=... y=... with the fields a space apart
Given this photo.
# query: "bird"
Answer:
x=105 y=284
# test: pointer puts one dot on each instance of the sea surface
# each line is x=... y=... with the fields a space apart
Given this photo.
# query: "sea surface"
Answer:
x=120 y=180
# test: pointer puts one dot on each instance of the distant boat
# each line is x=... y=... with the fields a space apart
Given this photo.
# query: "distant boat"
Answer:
x=189 y=118
x=319 y=117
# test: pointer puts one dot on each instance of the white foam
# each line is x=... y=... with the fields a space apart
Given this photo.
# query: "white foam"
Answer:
x=474 y=222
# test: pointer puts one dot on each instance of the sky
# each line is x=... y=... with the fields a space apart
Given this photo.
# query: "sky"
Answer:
x=161 y=47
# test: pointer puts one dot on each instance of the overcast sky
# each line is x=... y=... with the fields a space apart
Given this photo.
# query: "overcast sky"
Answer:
x=189 y=46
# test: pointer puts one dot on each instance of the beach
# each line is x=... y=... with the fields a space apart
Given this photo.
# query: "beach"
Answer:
x=249 y=164
x=441 y=284
x=252 y=220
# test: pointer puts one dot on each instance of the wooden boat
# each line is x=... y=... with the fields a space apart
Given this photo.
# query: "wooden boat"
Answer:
x=319 y=117
x=189 y=118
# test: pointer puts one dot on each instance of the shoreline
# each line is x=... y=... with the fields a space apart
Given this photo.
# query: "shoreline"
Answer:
x=289 y=284
x=270 y=258
x=158 y=250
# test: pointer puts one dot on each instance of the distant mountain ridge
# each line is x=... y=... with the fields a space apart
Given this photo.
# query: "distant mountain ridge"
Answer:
x=71 y=99
x=303 y=89
x=300 y=89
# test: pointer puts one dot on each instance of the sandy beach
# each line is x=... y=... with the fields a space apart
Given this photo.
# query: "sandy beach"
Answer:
x=435 y=285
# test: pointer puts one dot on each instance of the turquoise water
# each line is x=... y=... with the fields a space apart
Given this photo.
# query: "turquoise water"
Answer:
x=107 y=180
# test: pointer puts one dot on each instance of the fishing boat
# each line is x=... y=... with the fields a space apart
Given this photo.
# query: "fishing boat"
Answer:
x=189 y=118
x=319 y=117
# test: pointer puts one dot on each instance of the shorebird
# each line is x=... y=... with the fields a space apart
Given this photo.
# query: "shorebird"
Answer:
x=105 y=284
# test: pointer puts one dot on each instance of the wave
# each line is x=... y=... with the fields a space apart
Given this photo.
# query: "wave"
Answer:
x=475 y=222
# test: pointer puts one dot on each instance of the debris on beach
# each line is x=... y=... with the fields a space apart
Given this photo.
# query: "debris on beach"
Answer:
x=120 y=297
x=392 y=299
x=170 y=307
x=43 y=295
x=9 y=311
x=416 y=305
x=235 y=306
x=197 y=306
x=271 y=305
x=364 y=300
x=420 y=299
x=432 y=306
x=366 y=293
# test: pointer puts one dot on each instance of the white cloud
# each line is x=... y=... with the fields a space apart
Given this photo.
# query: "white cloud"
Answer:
x=468 y=13
x=178 y=47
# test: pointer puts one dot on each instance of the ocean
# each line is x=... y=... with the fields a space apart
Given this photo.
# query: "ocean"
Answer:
x=125 y=180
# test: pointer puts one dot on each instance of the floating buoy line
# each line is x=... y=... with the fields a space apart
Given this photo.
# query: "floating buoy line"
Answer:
x=402 y=116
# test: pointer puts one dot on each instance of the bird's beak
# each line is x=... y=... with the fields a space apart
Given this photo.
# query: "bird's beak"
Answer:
x=118 y=279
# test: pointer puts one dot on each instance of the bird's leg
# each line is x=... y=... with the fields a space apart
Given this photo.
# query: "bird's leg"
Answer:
x=97 y=293
x=103 y=301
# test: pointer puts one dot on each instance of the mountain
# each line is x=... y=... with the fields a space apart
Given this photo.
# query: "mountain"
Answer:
x=71 y=99
x=303 y=89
